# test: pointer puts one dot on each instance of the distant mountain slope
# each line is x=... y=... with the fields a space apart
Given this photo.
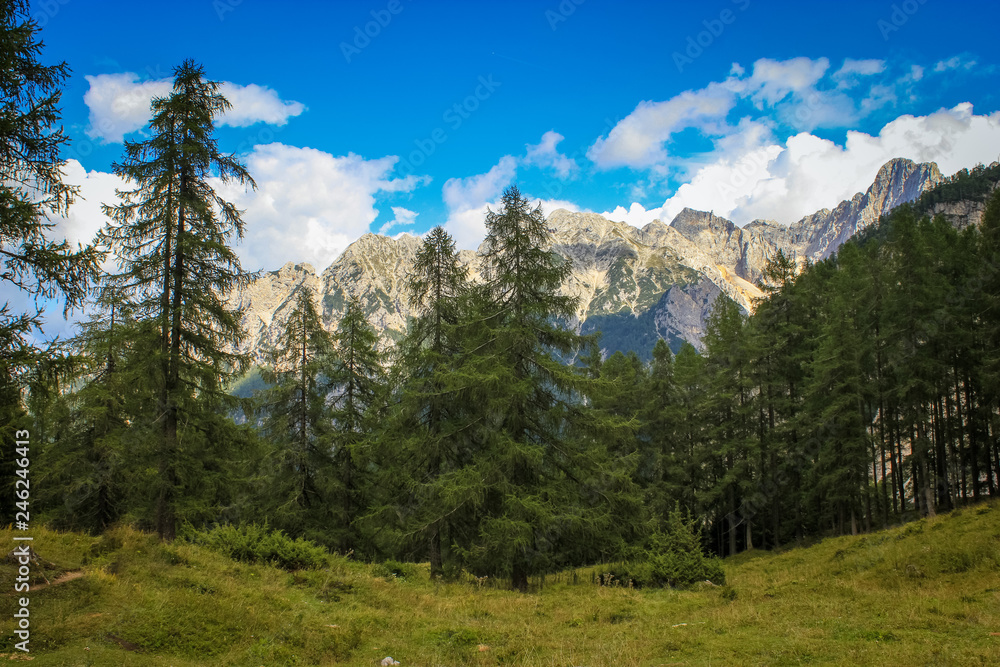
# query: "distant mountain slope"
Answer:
x=634 y=285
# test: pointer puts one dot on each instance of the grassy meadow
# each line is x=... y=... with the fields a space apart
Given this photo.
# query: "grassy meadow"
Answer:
x=926 y=593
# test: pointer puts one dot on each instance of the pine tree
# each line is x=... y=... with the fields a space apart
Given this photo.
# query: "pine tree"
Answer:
x=90 y=467
x=32 y=266
x=171 y=237
x=297 y=422
x=427 y=430
x=540 y=500
x=357 y=401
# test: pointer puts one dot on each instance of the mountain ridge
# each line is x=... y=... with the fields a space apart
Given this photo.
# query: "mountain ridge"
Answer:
x=631 y=283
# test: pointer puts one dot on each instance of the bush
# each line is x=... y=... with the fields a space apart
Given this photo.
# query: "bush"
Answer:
x=251 y=543
x=392 y=569
x=671 y=557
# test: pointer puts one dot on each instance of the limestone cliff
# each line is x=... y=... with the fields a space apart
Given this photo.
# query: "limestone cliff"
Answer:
x=632 y=284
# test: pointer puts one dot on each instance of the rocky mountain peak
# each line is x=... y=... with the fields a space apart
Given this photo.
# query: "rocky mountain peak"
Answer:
x=632 y=284
x=569 y=227
x=691 y=222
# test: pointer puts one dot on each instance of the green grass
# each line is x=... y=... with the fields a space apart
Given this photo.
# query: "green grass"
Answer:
x=927 y=593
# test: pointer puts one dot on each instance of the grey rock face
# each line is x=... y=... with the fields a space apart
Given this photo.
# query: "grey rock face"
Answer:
x=817 y=236
x=659 y=280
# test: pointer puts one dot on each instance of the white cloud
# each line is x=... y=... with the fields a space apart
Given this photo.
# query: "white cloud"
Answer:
x=762 y=178
x=774 y=80
x=309 y=205
x=852 y=69
x=86 y=216
x=636 y=214
x=638 y=140
x=119 y=104
x=545 y=154
x=955 y=62
x=256 y=104
x=468 y=198
x=403 y=218
x=798 y=92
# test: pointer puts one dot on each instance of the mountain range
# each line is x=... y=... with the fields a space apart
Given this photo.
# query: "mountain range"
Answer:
x=632 y=284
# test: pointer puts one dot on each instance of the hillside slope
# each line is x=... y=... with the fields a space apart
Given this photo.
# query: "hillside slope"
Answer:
x=924 y=593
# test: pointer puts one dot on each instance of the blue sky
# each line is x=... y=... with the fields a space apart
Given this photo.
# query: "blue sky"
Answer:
x=748 y=108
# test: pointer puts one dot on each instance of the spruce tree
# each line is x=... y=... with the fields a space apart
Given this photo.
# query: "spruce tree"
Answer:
x=91 y=468
x=357 y=402
x=730 y=458
x=540 y=501
x=32 y=265
x=297 y=422
x=171 y=237
x=427 y=430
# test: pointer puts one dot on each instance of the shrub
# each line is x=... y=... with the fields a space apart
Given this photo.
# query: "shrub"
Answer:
x=671 y=557
x=392 y=569
x=251 y=543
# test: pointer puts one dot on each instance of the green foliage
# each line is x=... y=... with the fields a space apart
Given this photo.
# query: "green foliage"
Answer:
x=253 y=543
x=297 y=467
x=31 y=189
x=393 y=569
x=33 y=267
x=170 y=236
x=672 y=556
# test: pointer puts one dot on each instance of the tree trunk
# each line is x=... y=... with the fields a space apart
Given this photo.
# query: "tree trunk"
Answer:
x=519 y=575
x=434 y=550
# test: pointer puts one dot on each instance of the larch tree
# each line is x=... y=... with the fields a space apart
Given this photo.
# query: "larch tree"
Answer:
x=171 y=236
x=540 y=500
x=33 y=267
x=356 y=399
x=433 y=397
x=32 y=191
x=297 y=421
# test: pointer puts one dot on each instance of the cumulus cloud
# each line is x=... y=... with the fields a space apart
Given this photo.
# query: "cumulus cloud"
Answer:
x=636 y=215
x=309 y=205
x=468 y=198
x=256 y=104
x=403 y=217
x=784 y=181
x=119 y=104
x=638 y=140
x=545 y=154
x=798 y=94
x=86 y=216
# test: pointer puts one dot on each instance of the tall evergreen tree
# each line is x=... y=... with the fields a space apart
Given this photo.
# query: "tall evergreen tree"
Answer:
x=538 y=492
x=32 y=190
x=297 y=422
x=429 y=426
x=731 y=457
x=32 y=265
x=357 y=400
x=171 y=237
